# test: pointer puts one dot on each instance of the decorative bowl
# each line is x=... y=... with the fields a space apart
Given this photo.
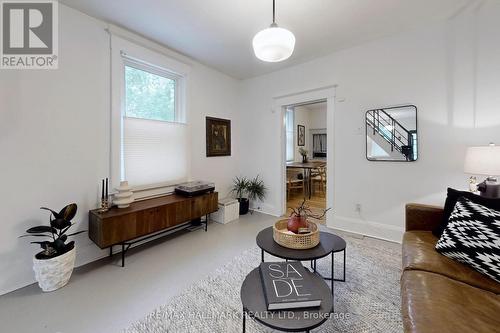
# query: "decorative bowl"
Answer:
x=290 y=240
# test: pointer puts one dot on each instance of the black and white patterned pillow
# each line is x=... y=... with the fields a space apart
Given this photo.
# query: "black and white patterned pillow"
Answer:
x=472 y=237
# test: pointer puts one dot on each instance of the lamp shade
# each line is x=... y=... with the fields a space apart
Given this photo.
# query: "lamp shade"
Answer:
x=484 y=160
x=273 y=44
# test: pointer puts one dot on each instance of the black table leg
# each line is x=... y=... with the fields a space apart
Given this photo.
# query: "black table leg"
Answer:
x=262 y=255
x=309 y=182
x=343 y=279
x=333 y=264
x=244 y=321
x=111 y=251
x=332 y=269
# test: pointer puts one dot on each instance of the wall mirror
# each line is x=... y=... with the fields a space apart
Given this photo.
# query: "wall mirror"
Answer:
x=391 y=134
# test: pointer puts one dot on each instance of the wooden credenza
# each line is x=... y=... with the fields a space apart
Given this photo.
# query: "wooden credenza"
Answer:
x=147 y=217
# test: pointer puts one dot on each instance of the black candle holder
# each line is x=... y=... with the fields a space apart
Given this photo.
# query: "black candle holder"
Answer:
x=105 y=204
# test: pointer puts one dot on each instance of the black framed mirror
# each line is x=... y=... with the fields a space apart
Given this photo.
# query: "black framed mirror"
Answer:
x=391 y=134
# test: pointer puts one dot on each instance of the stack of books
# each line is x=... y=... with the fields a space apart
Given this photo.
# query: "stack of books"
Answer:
x=287 y=285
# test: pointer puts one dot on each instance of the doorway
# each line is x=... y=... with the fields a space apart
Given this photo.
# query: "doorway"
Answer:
x=280 y=103
x=306 y=163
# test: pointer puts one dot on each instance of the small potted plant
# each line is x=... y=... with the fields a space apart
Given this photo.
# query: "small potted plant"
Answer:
x=303 y=152
x=256 y=189
x=53 y=266
x=297 y=223
x=239 y=188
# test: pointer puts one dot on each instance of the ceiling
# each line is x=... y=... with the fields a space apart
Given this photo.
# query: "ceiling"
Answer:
x=219 y=33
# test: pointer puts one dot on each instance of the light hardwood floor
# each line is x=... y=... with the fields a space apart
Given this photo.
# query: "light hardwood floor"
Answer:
x=317 y=203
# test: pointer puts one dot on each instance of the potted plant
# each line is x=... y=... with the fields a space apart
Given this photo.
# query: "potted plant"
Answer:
x=53 y=266
x=256 y=189
x=240 y=186
x=298 y=217
x=303 y=152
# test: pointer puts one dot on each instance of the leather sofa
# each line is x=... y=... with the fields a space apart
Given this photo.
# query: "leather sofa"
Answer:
x=439 y=294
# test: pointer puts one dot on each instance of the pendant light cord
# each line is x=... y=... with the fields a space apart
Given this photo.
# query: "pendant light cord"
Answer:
x=274 y=11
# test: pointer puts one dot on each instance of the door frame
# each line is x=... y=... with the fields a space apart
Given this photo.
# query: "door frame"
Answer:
x=280 y=103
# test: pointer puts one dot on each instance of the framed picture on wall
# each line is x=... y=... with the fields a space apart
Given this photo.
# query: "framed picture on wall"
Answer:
x=301 y=135
x=218 y=137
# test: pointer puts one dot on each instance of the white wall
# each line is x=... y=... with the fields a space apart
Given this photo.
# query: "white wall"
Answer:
x=317 y=125
x=451 y=71
x=54 y=139
x=317 y=118
x=301 y=117
x=54 y=126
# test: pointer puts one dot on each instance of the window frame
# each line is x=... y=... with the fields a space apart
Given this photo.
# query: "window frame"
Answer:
x=179 y=112
x=130 y=49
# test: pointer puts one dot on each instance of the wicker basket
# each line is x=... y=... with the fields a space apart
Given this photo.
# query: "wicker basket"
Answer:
x=290 y=240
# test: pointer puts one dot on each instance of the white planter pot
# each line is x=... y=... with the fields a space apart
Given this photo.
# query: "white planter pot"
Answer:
x=54 y=273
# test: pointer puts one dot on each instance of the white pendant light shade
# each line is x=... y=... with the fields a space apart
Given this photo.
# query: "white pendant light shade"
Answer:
x=273 y=44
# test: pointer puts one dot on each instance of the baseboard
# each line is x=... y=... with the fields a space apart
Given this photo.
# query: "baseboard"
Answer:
x=265 y=209
x=352 y=225
x=367 y=228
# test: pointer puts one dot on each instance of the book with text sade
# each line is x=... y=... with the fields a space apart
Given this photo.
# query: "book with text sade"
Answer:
x=287 y=285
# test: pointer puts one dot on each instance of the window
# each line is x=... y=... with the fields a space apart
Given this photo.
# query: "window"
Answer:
x=289 y=134
x=154 y=140
x=319 y=145
x=150 y=144
x=148 y=95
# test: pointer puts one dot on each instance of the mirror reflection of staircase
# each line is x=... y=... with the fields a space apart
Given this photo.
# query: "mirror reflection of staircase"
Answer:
x=388 y=139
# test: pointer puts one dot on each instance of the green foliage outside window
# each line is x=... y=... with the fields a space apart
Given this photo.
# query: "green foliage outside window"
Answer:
x=149 y=96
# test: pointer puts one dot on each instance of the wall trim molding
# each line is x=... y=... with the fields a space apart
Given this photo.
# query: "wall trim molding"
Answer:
x=367 y=228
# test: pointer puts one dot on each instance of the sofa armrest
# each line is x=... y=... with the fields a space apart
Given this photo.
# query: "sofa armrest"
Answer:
x=422 y=217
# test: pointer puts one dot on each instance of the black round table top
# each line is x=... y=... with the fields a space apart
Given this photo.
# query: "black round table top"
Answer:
x=328 y=243
x=295 y=320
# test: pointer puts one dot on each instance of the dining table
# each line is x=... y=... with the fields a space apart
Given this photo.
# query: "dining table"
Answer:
x=307 y=167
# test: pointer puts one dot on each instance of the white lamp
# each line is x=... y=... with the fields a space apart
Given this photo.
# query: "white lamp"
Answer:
x=273 y=44
x=485 y=160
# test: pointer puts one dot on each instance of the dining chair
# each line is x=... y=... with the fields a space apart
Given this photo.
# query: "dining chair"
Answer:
x=319 y=177
x=293 y=182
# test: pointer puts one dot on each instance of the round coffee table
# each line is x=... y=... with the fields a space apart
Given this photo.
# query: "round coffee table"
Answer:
x=295 y=320
x=329 y=244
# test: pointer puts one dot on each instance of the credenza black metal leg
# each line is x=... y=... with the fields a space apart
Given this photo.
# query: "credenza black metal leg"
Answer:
x=123 y=254
x=262 y=255
x=111 y=251
x=206 y=222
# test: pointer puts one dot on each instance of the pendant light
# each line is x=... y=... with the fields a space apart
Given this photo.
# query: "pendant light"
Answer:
x=273 y=44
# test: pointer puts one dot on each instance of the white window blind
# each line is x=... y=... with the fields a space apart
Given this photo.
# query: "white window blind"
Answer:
x=289 y=134
x=154 y=152
x=155 y=139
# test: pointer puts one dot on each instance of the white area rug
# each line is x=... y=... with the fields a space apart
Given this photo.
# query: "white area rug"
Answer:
x=369 y=300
